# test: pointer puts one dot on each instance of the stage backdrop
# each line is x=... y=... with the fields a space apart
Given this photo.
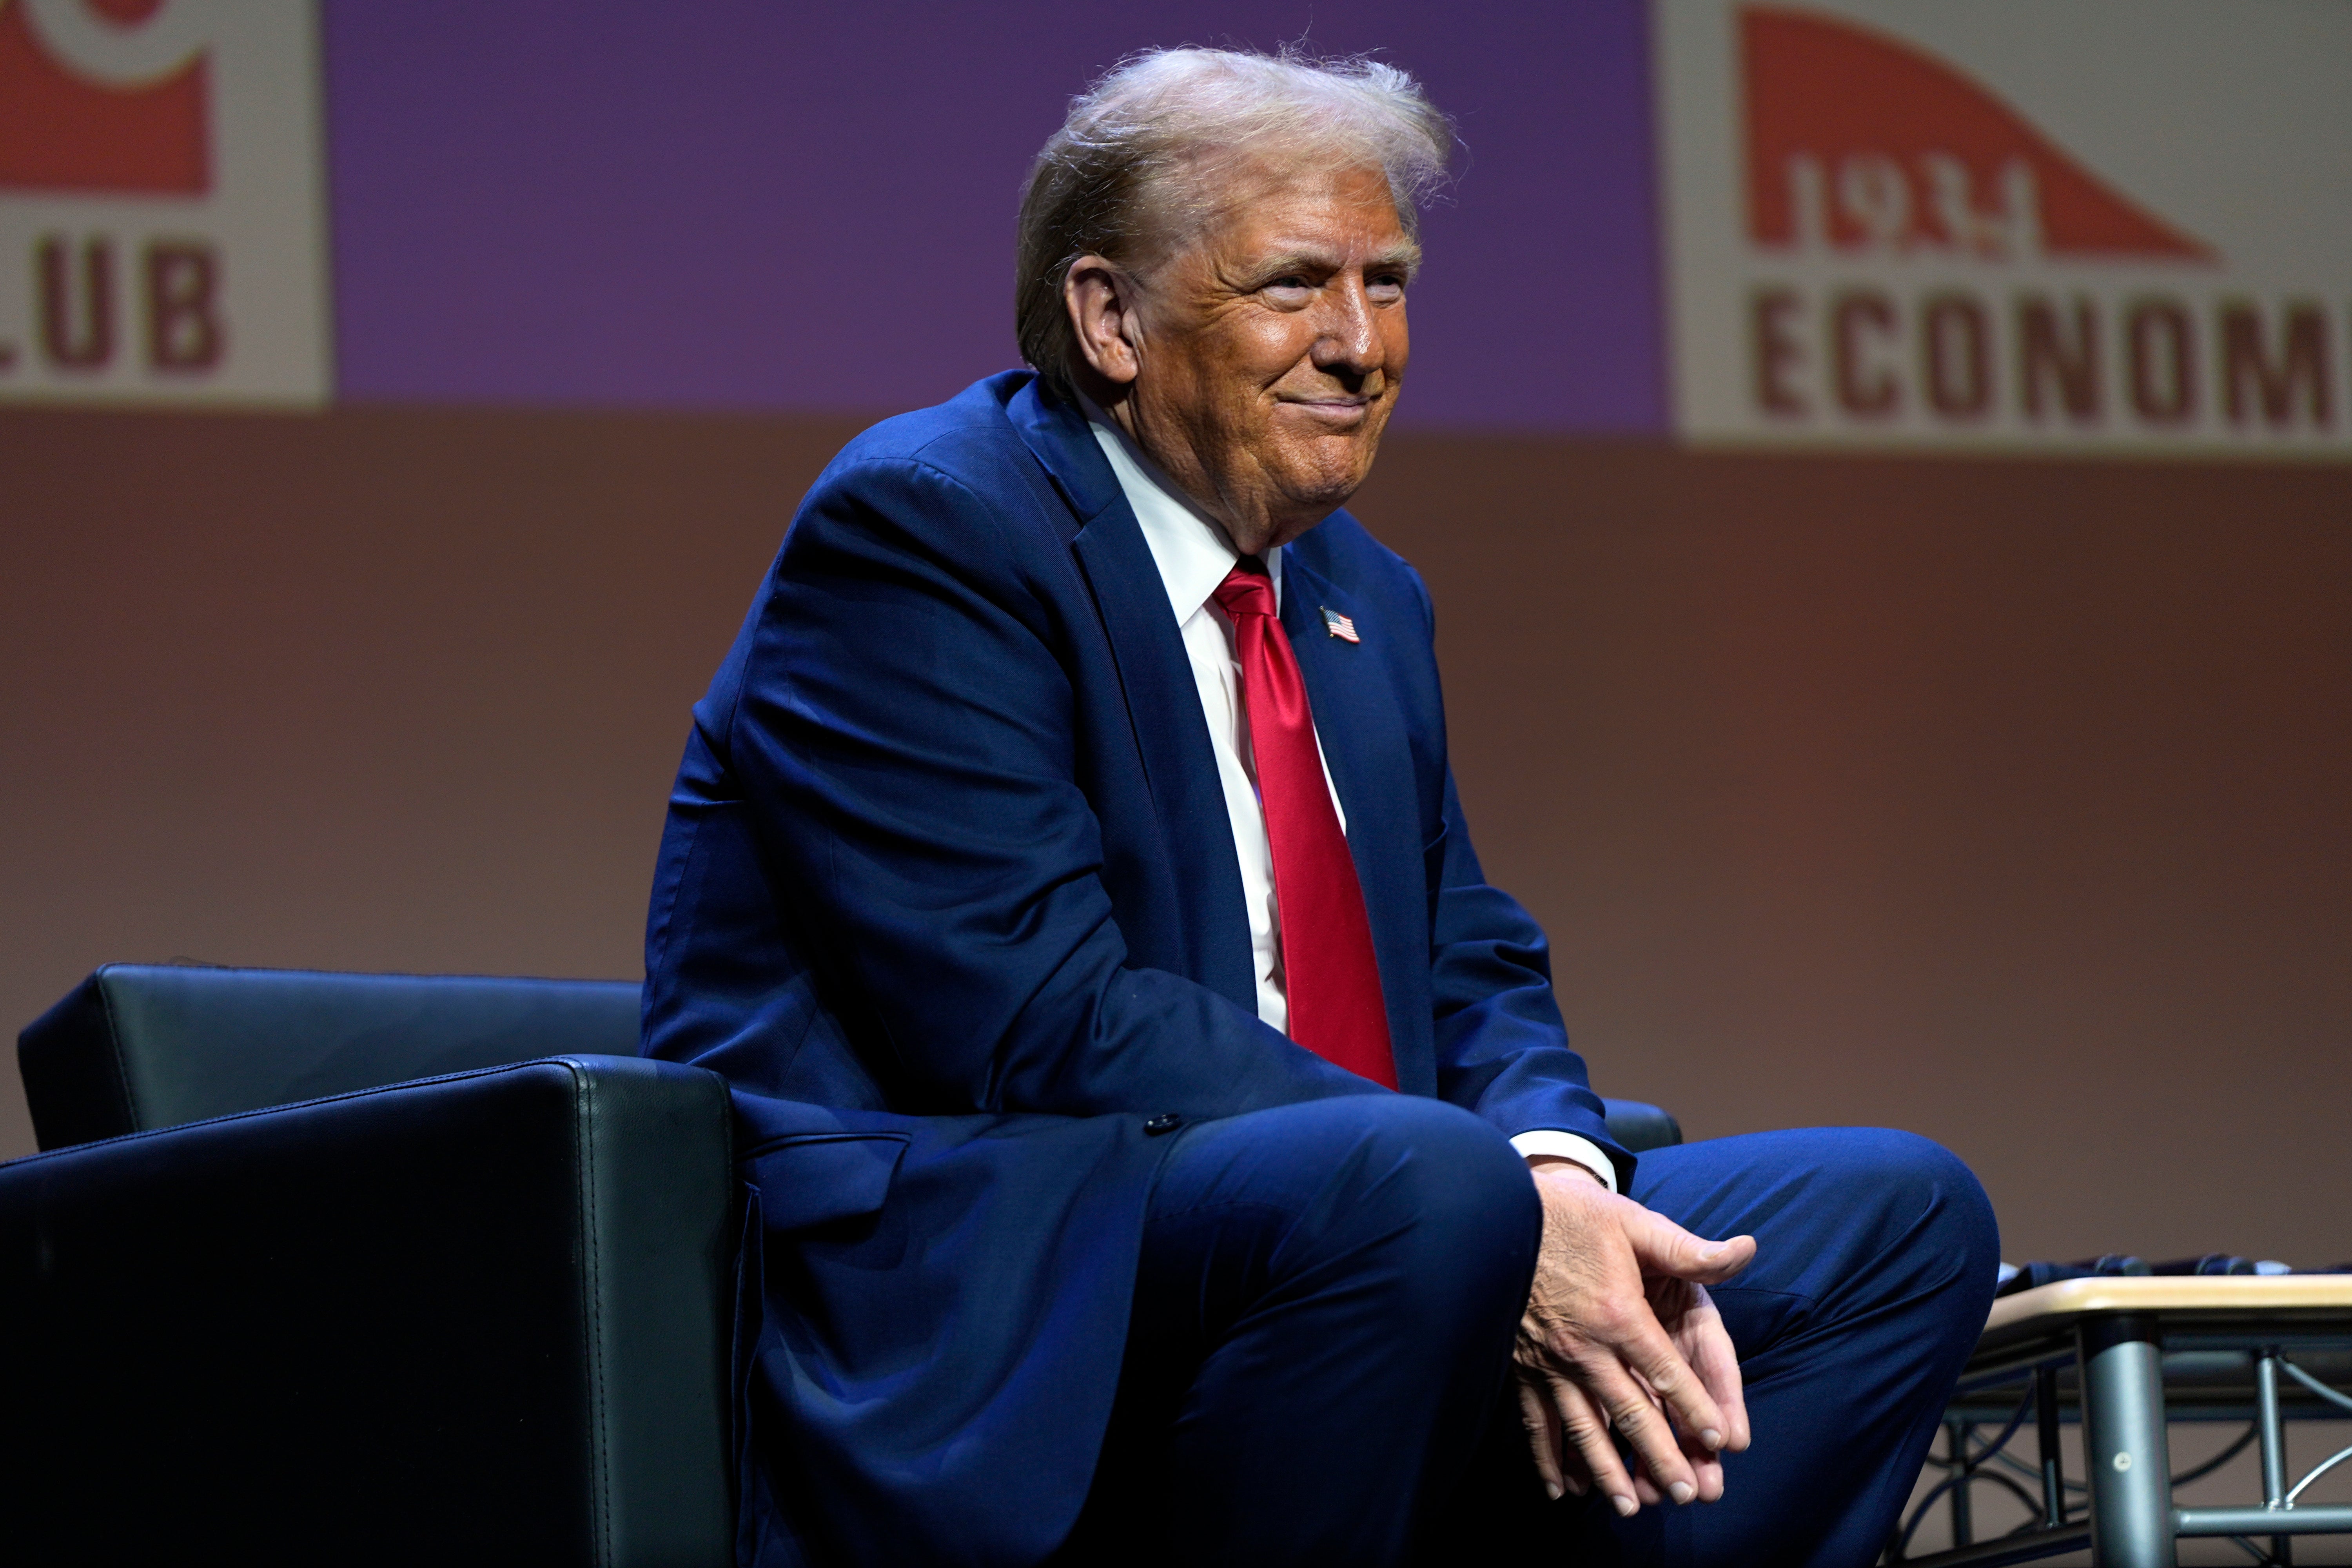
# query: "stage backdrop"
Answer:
x=1877 y=465
x=2118 y=225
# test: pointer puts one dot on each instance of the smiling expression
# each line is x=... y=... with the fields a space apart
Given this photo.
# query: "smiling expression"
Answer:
x=1258 y=366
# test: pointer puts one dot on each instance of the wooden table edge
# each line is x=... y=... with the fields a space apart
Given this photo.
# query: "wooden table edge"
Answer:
x=2224 y=1293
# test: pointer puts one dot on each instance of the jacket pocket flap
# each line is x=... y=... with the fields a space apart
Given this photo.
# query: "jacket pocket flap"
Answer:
x=822 y=1177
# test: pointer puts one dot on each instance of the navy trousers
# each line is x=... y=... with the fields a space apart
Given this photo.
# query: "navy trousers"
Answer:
x=1317 y=1367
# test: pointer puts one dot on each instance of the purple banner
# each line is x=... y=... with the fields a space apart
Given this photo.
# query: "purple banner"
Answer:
x=730 y=205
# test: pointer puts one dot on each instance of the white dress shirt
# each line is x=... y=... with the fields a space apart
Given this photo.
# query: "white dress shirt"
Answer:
x=1193 y=556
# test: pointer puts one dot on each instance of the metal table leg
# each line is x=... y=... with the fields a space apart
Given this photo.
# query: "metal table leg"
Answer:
x=1963 y=1531
x=2274 y=1438
x=2053 y=1459
x=2123 y=1444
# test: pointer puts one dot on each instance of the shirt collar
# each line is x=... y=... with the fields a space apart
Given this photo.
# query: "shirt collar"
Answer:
x=1187 y=545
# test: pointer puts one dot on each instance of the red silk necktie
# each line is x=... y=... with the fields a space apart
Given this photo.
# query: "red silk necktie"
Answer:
x=1331 y=977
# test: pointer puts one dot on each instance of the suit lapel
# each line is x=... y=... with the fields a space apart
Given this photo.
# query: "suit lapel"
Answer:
x=1364 y=741
x=1163 y=706
x=1059 y=438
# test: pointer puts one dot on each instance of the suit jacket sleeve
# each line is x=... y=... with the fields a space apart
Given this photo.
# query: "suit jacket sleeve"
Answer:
x=1502 y=1048
x=903 y=729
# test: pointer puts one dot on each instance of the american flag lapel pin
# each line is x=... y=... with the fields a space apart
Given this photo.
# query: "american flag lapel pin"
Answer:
x=1338 y=625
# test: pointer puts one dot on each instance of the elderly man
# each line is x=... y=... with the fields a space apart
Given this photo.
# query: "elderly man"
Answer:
x=1163 y=1144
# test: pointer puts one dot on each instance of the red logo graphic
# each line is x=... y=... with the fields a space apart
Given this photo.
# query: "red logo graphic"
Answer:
x=103 y=95
x=1859 y=141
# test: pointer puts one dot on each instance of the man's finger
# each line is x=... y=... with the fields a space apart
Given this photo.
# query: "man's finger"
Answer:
x=1662 y=1247
x=1707 y=1468
x=1644 y=1426
x=1682 y=1391
x=1572 y=1473
x=1535 y=1414
x=1587 y=1434
x=1715 y=1363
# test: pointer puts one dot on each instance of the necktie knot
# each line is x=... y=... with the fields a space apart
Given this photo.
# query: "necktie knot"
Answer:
x=1247 y=590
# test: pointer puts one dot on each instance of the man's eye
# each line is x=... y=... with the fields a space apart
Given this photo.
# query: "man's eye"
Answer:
x=1289 y=282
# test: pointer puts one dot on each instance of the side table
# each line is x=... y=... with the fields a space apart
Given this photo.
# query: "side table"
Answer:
x=2125 y=1357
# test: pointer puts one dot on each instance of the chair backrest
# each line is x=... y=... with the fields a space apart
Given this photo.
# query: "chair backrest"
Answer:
x=138 y=1047
x=1641 y=1127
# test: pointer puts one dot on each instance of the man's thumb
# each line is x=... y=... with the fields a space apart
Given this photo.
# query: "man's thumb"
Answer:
x=1665 y=1248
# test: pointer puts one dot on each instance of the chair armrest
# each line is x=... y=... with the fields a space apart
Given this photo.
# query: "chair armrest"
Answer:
x=482 y=1316
x=1639 y=1127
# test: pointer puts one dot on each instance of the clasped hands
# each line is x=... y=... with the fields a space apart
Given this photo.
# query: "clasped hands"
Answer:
x=1620 y=1335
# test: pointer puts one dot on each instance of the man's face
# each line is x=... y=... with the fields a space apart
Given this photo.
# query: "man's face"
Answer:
x=1268 y=354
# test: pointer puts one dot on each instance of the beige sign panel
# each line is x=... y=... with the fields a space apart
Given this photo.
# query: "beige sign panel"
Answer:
x=2115 y=225
x=163 y=236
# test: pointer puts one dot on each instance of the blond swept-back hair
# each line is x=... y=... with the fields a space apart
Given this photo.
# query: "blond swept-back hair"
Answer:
x=1133 y=173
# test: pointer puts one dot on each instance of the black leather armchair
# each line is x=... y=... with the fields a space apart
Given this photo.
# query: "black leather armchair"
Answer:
x=482 y=1316
x=262 y=1300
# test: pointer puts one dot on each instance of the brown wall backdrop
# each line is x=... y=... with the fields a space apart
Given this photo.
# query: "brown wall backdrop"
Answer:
x=2002 y=801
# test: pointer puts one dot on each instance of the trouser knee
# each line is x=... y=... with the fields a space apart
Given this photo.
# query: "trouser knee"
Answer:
x=1951 y=1200
x=1930 y=1200
x=1453 y=1205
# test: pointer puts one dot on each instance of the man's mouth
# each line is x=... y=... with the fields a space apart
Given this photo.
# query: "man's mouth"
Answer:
x=1336 y=407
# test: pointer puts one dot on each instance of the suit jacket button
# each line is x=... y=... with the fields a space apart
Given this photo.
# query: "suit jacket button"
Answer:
x=1167 y=1121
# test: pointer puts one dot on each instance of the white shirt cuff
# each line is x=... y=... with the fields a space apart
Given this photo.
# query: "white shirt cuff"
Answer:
x=1567 y=1146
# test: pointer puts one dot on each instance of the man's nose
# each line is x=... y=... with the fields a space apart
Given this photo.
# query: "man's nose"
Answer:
x=1347 y=341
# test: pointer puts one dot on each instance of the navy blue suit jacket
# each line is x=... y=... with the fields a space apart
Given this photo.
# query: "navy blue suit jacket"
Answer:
x=948 y=892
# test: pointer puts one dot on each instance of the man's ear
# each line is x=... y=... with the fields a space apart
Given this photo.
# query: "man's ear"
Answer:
x=1101 y=302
